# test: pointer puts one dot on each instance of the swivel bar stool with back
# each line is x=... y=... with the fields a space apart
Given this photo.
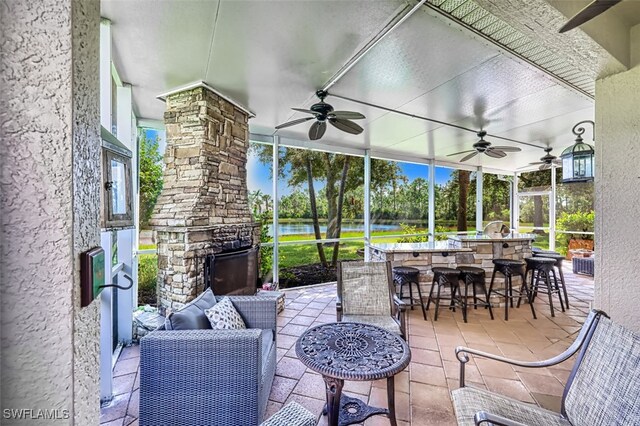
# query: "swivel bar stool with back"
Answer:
x=407 y=275
x=510 y=268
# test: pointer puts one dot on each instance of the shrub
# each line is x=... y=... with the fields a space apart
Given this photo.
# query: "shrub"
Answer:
x=147 y=279
x=576 y=222
x=411 y=229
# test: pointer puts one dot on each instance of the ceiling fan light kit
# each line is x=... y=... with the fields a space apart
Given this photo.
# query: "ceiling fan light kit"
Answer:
x=485 y=147
x=323 y=112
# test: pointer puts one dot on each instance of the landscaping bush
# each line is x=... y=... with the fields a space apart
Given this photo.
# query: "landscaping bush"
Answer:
x=147 y=279
x=576 y=222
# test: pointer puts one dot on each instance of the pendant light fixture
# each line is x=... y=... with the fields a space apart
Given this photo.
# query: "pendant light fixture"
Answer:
x=577 y=160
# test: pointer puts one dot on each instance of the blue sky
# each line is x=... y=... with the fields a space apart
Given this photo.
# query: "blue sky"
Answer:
x=259 y=176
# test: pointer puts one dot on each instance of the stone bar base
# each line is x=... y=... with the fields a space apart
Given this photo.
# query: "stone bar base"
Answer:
x=481 y=255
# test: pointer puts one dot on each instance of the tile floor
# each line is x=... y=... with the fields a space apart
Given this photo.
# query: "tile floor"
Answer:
x=422 y=390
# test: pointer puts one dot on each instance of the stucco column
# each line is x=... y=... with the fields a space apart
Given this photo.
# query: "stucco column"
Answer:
x=50 y=208
x=617 y=187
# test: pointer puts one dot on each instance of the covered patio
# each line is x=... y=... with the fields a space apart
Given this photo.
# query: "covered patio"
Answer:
x=422 y=390
x=165 y=154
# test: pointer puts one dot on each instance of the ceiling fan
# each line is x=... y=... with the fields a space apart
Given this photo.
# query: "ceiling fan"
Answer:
x=592 y=10
x=546 y=162
x=485 y=147
x=322 y=113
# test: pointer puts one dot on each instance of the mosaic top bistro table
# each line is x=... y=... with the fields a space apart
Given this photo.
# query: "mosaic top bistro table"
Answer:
x=353 y=351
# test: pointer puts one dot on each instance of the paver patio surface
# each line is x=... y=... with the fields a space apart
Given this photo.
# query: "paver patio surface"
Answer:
x=423 y=389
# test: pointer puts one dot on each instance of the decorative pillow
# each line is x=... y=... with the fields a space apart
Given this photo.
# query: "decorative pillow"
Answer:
x=224 y=316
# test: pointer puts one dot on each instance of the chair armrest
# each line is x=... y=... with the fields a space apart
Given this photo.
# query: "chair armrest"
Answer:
x=401 y=304
x=482 y=417
x=256 y=311
x=462 y=353
x=339 y=308
x=401 y=308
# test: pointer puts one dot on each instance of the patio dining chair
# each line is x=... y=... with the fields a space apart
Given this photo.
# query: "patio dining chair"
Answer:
x=366 y=294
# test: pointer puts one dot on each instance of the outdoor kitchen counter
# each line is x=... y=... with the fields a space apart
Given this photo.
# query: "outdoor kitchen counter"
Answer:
x=459 y=250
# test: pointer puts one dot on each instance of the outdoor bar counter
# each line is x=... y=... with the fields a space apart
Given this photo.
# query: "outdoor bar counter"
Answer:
x=459 y=250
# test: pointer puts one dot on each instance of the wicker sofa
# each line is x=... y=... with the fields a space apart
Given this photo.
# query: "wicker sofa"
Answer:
x=210 y=377
x=603 y=387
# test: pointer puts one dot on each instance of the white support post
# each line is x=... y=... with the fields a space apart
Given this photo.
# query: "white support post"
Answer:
x=432 y=201
x=367 y=204
x=106 y=325
x=515 y=205
x=125 y=297
x=552 y=211
x=479 y=189
x=105 y=74
x=275 y=164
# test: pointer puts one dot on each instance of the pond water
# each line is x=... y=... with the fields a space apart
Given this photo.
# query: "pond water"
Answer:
x=302 y=228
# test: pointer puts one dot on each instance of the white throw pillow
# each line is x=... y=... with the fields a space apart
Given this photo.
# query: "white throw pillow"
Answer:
x=224 y=316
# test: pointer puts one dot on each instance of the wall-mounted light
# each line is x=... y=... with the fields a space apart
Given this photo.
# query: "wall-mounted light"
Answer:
x=577 y=160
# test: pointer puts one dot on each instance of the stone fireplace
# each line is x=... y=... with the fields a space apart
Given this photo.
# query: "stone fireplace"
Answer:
x=203 y=208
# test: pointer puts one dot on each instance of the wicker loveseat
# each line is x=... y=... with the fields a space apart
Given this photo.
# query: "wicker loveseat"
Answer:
x=603 y=387
x=210 y=377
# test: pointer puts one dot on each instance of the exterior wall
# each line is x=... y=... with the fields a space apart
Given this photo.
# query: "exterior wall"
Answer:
x=617 y=186
x=204 y=207
x=49 y=124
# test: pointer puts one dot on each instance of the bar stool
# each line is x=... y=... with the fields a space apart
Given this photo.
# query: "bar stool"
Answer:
x=543 y=268
x=445 y=277
x=407 y=275
x=474 y=277
x=558 y=258
x=508 y=268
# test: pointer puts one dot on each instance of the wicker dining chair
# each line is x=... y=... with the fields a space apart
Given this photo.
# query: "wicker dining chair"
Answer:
x=366 y=294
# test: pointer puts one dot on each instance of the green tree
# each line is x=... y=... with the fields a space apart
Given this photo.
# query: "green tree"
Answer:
x=150 y=177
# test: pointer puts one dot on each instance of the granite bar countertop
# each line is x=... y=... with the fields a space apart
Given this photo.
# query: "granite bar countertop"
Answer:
x=430 y=247
x=492 y=237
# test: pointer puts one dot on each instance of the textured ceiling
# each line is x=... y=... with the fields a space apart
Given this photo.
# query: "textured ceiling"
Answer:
x=271 y=56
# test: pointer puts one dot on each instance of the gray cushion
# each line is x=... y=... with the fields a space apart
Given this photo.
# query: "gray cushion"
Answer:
x=192 y=316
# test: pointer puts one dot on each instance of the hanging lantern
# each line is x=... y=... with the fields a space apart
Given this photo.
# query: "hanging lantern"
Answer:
x=577 y=160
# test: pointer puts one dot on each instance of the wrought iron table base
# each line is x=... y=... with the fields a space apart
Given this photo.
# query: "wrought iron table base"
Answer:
x=348 y=410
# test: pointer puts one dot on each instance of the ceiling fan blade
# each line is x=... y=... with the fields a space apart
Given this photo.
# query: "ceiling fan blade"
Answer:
x=461 y=152
x=349 y=115
x=294 y=122
x=536 y=163
x=545 y=167
x=588 y=13
x=507 y=148
x=346 y=126
x=308 y=111
x=495 y=153
x=317 y=129
x=469 y=157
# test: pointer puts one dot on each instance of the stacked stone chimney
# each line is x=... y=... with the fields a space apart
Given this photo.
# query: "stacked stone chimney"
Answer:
x=203 y=207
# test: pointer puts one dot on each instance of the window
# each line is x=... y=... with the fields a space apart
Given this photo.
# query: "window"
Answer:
x=116 y=171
